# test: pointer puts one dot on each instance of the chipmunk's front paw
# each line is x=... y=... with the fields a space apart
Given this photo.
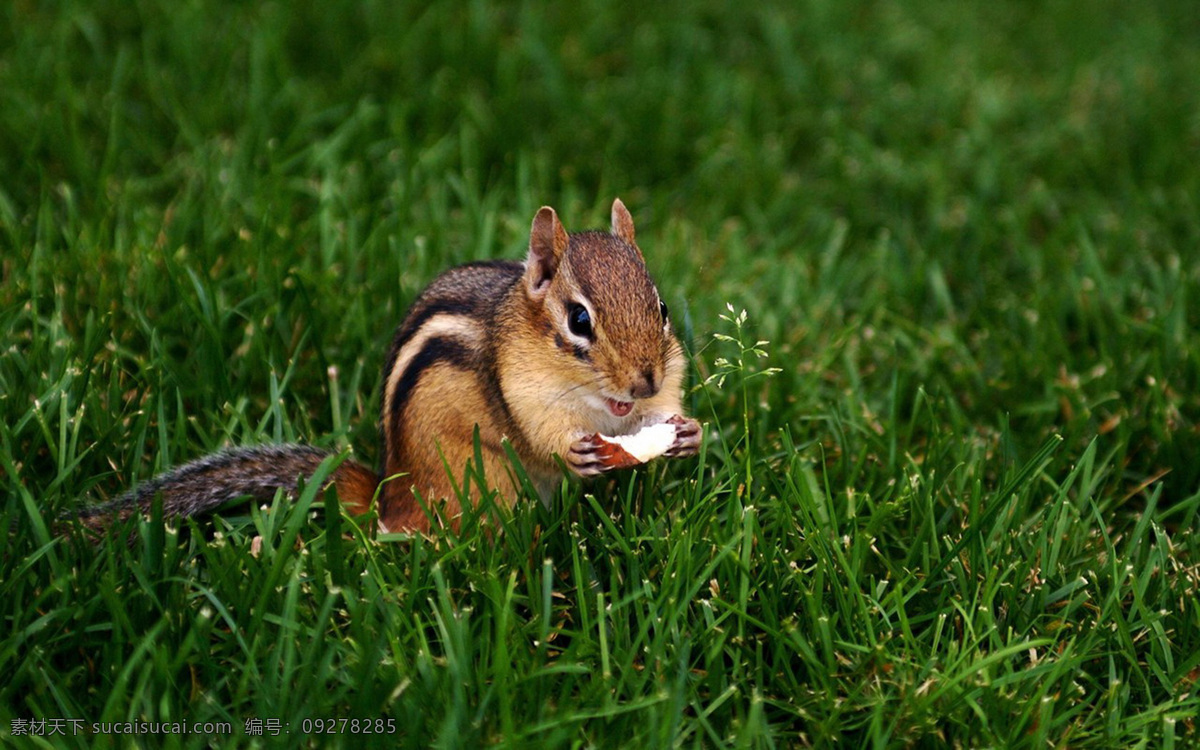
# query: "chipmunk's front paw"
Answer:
x=589 y=456
x=687 y=437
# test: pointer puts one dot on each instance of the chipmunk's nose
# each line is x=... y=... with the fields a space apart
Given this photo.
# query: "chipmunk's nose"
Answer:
x=645 y=384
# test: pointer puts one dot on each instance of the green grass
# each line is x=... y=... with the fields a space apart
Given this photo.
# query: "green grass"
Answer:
x=963 y=512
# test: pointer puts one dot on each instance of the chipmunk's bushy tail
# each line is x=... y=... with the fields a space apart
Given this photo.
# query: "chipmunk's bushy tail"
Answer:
x=206 y=484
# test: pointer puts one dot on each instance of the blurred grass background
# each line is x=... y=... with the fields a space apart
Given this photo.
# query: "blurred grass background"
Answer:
x=964 y=228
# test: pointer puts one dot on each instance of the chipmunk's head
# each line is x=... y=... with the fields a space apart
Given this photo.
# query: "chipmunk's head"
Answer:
x=600 y=313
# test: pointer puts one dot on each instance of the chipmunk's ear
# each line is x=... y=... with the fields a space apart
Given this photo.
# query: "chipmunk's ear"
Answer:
x=622 y=222
x=547 y=243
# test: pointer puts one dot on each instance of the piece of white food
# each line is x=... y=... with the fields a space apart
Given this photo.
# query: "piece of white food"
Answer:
x=648 y=443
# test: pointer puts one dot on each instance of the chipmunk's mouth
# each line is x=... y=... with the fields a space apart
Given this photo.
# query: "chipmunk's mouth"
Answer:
x=618 y=408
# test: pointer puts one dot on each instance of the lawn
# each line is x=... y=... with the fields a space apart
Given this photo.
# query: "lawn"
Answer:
x=936 y=264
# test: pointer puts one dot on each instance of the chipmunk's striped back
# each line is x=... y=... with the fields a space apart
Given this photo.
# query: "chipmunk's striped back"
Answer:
x=438 y=364
x=447 y=324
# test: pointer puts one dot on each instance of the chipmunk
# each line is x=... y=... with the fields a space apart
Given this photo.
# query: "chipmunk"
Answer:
x=546 y=355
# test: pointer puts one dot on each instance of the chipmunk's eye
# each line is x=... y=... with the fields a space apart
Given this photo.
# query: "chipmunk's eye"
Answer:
x=578 y=320
x=666 y=312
